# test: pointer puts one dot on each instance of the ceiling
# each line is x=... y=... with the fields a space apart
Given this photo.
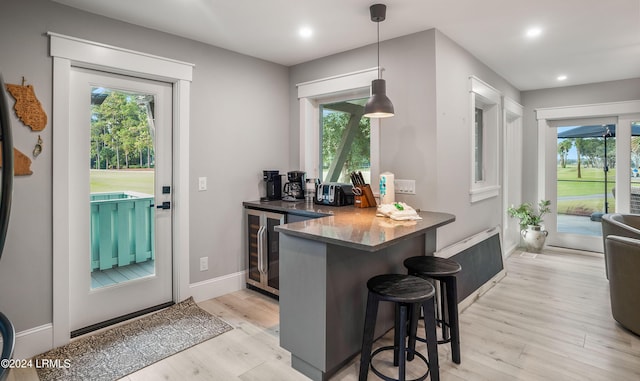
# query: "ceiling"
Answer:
x=586 y=40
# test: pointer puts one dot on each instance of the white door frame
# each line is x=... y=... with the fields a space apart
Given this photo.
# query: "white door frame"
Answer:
x=547 y=140
x=69 y=51
x=512 y=171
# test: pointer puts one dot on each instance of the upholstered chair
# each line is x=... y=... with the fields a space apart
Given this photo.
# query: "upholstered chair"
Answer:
x=623 y=225
x=623 y=258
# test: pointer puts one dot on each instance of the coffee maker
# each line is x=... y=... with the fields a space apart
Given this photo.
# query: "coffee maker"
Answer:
x=273 y=185
x=295 y=186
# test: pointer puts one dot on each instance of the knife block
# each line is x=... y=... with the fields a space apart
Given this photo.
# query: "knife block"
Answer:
x=366 y=198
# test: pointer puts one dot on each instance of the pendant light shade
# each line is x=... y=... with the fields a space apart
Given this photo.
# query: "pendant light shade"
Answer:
x=379 y=105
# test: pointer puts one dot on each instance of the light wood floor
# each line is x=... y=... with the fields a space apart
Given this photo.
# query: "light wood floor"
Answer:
x=548 y=319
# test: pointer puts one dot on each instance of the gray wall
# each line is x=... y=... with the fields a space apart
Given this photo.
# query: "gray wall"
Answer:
x=453 y=135
x=233 y=138
x=614 y=91
x=428 y=138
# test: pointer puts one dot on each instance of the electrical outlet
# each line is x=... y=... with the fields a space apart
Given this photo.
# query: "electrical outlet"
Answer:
x=204 y=263
x=405 y=186
x=202 y=183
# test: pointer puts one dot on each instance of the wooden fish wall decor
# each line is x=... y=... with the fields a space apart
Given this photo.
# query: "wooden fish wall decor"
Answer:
x=27 y=106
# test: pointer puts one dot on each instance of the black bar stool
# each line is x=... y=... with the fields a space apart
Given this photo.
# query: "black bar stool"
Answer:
x=443 y=270
x=408 y=293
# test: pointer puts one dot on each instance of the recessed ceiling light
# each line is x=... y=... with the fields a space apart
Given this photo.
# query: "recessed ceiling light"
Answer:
x=534 y=32
x=305 y=32
x=562 y=77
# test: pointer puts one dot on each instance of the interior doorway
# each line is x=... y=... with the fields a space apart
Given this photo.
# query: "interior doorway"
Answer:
x=512 y=177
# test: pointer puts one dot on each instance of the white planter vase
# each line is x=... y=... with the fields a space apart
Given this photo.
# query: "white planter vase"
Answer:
x=534 y=237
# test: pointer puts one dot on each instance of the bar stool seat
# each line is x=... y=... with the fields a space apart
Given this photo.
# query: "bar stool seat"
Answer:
x=443 y=270
x=408 y=293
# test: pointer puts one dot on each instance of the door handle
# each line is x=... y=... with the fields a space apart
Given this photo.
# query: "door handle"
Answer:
x=261 y=249
x=165 y=205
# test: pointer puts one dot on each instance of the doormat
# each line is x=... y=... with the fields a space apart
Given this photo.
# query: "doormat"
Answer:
x=124 y=349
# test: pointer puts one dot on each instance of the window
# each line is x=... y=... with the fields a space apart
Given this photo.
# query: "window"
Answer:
x=485 y=120
x=479 y=140
x=334 y=138
x=345 y=141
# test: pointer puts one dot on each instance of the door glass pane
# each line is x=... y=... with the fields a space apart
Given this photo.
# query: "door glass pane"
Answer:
x=345 y=141
x=122 y=184
x=586 y=177
x=634 y=202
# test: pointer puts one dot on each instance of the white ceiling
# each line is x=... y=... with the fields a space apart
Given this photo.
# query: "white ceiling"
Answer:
x=586 y=40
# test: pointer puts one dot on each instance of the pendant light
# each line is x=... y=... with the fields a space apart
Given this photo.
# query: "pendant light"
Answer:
x=379 y=105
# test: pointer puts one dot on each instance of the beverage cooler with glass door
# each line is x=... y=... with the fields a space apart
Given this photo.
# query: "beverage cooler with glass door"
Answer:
x=263 y=250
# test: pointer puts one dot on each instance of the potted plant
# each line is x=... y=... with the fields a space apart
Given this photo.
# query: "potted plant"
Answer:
x=531 y=228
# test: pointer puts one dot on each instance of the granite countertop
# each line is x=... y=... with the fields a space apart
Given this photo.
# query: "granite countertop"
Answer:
x=349 y=226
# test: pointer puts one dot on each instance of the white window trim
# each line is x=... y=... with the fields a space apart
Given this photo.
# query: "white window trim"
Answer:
x=70 y=51
x=311 y=94
x=489 y=99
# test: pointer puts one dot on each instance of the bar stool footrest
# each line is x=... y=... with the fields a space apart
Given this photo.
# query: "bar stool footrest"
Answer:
x=440 y=341
x=391 y=348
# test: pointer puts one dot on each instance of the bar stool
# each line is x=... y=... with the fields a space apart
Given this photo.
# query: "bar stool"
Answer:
x=443 y=270
x=408 y=293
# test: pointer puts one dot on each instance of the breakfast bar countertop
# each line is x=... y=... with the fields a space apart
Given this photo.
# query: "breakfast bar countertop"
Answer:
x=324 y=265
x=357 y=228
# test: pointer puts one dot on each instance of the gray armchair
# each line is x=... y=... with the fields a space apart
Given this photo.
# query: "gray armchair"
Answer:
x=623 y=225
x=623 y=256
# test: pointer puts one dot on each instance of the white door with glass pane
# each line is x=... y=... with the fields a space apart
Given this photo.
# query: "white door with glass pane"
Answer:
x=584 y=186
x=120 y=217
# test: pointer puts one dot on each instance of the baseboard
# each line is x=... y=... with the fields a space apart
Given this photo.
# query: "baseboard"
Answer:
x=509 y=250
x=212 y=288
x=33 y=342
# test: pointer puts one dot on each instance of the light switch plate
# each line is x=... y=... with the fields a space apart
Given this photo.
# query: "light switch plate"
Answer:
x=202 y=183
x=405 y=186
x=204 y=263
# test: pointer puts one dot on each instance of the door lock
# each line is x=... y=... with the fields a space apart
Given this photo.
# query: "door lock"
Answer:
x=165 y=205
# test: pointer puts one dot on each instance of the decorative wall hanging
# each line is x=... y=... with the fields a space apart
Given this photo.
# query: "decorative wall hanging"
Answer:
x=21 y=163
x=27 y=106
x=38 y=147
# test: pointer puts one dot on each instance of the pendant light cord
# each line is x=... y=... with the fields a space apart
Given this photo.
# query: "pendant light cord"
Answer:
x=378 y=24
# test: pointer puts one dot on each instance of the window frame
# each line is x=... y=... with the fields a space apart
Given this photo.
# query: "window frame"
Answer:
x=327 y=90
x=488 y=99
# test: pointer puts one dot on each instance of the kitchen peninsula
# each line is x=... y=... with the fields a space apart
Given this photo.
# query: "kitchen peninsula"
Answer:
x=324 y=266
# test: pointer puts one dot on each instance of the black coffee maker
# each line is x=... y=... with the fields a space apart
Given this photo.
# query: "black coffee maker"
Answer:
x=294 y=188
x=273 y=185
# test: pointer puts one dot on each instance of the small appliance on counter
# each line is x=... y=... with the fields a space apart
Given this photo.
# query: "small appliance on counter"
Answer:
x=387 y=188
x=295 y=186
x=334 y=194
x=310 y=189
x=273 y=185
